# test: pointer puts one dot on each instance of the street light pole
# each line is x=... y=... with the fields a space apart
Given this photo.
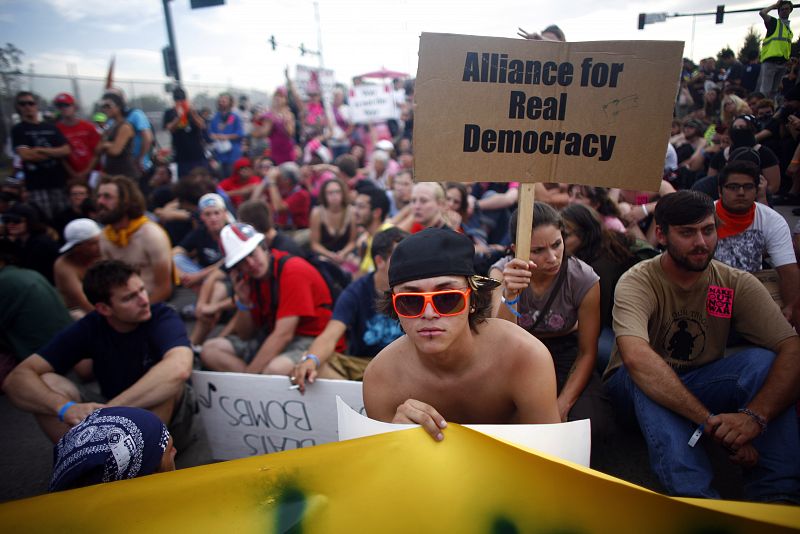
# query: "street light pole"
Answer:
x=171 y=38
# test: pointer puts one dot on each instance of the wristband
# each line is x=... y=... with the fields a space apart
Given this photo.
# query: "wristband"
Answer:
x=506 y=301
x=644 y=209
x=312 y=357
x=762 y=423
x=699 y=432
x=63 y=410
x=241 y=306
x=794 y=162
x=510 y=307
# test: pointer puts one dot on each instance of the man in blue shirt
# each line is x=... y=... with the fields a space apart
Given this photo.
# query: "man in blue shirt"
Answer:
x=226 y=132
x=368 y=331
x=140 y=355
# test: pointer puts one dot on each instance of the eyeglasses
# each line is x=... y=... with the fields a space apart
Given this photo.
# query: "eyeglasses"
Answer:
x=12 y=219
x=23 y=103
x=445 y=303
x=62 y=105
x=733 y=188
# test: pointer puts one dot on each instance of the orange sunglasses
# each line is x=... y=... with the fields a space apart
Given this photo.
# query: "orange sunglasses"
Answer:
x=446 y=302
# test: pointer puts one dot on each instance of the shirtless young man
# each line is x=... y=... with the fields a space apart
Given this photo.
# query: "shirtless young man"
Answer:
x=80 y=252
x=131 y=237
x=448 y=366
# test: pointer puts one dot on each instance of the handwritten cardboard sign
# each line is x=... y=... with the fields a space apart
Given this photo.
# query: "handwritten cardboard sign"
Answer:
x=246 y=415
x=371 y=103
x=595 y=113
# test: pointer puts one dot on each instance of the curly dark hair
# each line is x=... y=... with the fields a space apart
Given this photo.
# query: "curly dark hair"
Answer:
x=480 y=302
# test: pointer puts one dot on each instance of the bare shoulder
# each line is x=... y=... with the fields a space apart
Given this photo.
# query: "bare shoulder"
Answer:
x=153 y=232
x=517 y=343
x=386 y=361
x=381 y=390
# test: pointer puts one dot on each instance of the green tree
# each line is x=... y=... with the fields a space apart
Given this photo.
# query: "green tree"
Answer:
x=722 y=51
x=751 y=46
x=10 y=62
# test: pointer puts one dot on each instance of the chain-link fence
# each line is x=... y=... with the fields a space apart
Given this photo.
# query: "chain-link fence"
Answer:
x=151 y=96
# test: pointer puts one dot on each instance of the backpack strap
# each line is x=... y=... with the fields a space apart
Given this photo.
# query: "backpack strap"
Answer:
x=274 y=280
x=562 y=275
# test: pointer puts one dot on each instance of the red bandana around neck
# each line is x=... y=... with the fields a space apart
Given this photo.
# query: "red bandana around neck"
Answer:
x=733 y=223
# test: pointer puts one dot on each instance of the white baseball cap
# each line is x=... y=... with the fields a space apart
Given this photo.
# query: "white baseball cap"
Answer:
x=385 y=145
x=78 y=231
x=237 y=241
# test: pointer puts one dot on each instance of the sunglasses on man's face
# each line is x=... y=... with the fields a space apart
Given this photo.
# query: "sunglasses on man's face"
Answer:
x=12 y=219
x=24 y=103
x=445 y=303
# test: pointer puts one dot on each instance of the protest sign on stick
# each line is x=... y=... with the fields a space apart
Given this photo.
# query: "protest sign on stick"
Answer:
x=501 y=110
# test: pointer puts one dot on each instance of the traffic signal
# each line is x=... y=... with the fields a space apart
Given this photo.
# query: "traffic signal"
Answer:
x=197 y=4
x=641 y=20
x=720 y=13
x=170 y=61
x=272 y=41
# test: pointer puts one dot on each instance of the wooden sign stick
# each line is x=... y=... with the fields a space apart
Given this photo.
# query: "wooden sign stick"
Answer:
x=524 y=221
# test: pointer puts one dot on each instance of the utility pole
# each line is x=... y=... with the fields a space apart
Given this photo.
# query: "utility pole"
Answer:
x=171 y=51
x=319 y=34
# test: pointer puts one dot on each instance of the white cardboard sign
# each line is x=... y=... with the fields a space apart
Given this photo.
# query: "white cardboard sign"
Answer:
x=570 y=441
x=246 y=415
x=372 y=103
x=325 y=80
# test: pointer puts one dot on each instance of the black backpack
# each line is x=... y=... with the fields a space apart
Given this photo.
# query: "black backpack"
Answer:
x=335 y=278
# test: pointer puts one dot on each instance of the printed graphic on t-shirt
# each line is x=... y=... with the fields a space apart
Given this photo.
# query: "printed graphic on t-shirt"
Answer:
x=685 y=340
x=743 y=251
x=381 y=330
x=553 y=321
x=719 y=302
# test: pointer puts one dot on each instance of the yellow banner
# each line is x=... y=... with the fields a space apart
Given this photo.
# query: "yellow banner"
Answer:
x=396 y=482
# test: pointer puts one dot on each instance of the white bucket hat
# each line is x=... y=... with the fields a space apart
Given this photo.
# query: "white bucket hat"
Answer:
x=238 y=240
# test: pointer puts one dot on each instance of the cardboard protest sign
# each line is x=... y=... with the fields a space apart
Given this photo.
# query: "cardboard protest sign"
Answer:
x=371 y=103
x=245 y=415
x=493 y=109
x=316 y=78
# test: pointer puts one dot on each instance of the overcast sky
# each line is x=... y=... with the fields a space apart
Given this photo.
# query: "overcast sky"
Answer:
x=229 y=44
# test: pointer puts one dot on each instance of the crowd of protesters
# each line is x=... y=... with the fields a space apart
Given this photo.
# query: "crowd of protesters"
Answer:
x=280 y=220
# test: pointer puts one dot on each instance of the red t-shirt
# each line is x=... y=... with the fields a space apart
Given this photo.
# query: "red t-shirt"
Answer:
x=299 y=203
x=82 y=138
x=302 y=292
x=232 y=183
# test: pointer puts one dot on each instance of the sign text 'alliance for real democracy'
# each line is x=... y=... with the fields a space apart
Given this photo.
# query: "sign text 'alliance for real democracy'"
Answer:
x=497 y=68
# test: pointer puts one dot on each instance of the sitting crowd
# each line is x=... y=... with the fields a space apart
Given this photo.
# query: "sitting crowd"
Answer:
x=309 y=251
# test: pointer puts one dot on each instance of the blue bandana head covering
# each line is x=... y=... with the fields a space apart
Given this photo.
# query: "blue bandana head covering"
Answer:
x=110 y=444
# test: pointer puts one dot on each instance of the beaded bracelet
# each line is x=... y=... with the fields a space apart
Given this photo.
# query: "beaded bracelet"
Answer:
x=762 y=423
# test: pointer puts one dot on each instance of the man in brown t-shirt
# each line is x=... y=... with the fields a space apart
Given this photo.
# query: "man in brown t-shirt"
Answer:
x=672 y=316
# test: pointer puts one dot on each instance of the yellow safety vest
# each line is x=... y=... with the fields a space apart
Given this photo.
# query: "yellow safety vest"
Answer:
x=779 y=44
